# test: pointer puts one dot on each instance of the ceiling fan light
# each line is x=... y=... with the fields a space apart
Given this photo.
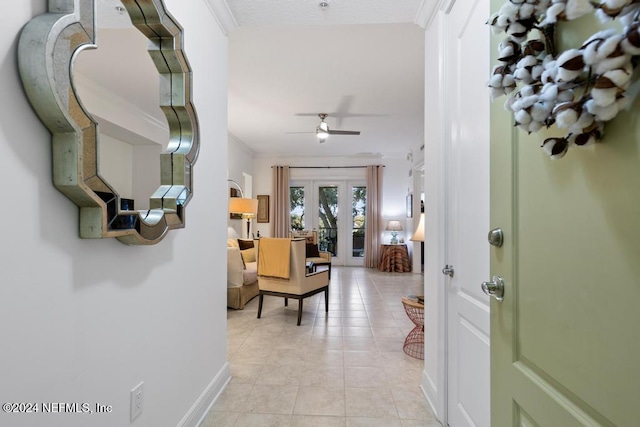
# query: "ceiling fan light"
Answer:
x=322 y=131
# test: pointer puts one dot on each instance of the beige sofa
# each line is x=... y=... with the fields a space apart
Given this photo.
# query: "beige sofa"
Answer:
x=242 y=275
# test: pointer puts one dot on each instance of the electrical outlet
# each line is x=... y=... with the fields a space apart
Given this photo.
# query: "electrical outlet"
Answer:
x=137 y=400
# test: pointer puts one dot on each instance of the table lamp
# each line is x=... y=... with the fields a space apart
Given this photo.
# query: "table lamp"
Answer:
x=394 y=226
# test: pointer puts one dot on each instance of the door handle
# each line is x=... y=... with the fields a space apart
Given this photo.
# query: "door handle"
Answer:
x=448 y=270
x=494 y=288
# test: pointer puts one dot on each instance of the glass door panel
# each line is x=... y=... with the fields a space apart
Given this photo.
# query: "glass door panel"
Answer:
x=358 y=209
x=328 y=219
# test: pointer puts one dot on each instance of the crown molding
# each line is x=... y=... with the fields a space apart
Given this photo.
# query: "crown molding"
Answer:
x=222 y=14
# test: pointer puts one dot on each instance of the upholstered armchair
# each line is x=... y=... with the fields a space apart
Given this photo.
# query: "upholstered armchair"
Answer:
x=312 y=253
x=283 y=272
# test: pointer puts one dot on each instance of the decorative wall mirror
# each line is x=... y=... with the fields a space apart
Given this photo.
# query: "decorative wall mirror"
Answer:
x=48 y=46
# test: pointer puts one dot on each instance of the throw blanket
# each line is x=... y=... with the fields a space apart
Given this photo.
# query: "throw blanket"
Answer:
x=274 y=256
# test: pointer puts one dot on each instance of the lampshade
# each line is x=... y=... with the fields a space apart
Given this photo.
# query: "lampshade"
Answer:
x=418 y=235
x=241 y=205
x=394 y=226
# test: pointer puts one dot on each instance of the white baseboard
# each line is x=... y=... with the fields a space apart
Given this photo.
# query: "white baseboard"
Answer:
x=201 y=407
x=430 y=392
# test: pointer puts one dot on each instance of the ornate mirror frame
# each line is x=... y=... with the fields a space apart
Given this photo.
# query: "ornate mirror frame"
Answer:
x=48 y=46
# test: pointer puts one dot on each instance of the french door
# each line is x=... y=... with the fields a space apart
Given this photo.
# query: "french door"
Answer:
x=336 y=209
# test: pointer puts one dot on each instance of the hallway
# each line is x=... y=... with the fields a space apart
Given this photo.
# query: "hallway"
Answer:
x=346 y=368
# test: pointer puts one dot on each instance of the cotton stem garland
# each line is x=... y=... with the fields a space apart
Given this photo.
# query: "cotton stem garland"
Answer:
x=578 y=89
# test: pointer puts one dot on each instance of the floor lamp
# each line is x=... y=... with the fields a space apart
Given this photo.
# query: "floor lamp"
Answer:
x=243 y=206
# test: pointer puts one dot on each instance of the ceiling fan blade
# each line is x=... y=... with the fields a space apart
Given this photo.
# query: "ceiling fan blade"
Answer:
x=343 y=132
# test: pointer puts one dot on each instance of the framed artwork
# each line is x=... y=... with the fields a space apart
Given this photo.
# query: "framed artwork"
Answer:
x=263 y=208
x=233 y=192
x=410 y=206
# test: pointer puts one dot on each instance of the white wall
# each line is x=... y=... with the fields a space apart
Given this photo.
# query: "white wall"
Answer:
x=394 y=180
x=239 y=164
x=87 y=320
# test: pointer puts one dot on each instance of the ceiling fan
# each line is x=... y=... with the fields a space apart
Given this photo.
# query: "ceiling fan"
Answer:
x=323 y=131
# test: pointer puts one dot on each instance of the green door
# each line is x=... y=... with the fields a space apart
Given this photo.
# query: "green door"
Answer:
x=565 y=342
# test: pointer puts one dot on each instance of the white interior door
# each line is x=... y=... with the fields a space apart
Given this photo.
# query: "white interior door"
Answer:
x=467 y=213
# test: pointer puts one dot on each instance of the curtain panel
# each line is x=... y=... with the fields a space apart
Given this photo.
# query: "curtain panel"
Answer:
x=281 y=203
x=373 y=218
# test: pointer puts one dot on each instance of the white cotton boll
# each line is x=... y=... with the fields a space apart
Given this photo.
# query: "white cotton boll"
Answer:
x=522 y=117
x=577 y=8
x=620 y=77
x=510 y=11
x=506 y=51
x=516 y=105
x=527 y=91
x=604 y=97
x=566 y=118
x=565 y=96
x=607 y=47
x=503 y=21
x=585 y=120
x=536 y=72
x=592 y=49
x=516 y=28
x=549 y=75
x=508 y=81
x=509 y=89
x=495 y=81
x=589 y=55
x=539 y=112
x=565 y=75
x=527 y=10
x=527 y=61
x=549 y=92
x=495 y=30
x=534 y=126
x=528 y=101
x=611 y=64
x=602 y=113
x=615 y=4
x=552 y=13
x=523 y=74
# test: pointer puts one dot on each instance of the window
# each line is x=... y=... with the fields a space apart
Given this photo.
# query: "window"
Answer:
x=296 y=196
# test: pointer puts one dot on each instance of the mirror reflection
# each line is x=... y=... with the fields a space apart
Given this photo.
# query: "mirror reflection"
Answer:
x=118 y=84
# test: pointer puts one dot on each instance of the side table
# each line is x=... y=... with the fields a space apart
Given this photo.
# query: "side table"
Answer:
x=394 y=258
x=414 y=343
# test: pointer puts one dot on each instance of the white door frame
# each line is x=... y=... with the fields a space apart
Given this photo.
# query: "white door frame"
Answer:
x=437 y=119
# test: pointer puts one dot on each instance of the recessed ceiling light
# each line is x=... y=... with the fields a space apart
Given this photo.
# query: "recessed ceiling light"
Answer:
x=120 y=9
x=323 y=5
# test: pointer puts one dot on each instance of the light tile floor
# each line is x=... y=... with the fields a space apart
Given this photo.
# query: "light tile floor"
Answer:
x=345 y=368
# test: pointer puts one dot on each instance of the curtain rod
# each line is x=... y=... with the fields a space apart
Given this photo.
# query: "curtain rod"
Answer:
x=328 y=167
